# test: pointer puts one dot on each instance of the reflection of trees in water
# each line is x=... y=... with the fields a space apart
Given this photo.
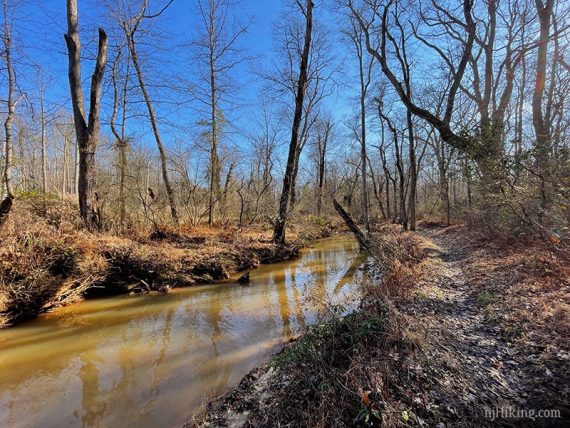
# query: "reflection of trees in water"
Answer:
x=125 y=389
x=319 y=292
x=158 y=363
x=133 y=374
x=300 y=315
x=93 y=406
x=220 y=371
x=280 y=278
x=349 y=275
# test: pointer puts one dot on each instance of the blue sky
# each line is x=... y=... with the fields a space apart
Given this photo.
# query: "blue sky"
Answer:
x=40 y=25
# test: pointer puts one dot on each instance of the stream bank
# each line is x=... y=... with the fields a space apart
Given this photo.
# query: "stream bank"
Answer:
x=48 y=262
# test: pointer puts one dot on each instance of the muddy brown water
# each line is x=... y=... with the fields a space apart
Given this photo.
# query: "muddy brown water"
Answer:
x=150 y=361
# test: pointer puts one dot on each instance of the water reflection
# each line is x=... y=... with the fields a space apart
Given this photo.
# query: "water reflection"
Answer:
x=149 y=361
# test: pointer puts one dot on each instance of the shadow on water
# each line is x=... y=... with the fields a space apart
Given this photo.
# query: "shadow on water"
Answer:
x=149 y=361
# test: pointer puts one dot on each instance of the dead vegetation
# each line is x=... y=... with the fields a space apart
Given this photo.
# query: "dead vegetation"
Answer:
x=522 y=292
x=47 y=260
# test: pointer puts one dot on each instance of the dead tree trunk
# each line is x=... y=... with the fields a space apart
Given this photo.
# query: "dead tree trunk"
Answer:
x=280 y=223
x=347 y=218
x=86 y=130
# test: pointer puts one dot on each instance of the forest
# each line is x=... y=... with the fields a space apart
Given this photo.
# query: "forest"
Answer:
x=256 y=213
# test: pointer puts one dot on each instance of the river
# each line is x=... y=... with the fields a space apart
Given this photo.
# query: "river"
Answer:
x=149 y=361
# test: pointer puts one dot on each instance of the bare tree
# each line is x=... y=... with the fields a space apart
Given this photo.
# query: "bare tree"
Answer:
x=219 y=53
x=281 y=221
x=120 y=90
x=282 y=80
x=324 y=128
x=365 y=77
x=374 y=19
x=11 y=102
x=403 y=216
x=540 y=122
x=86 y=130
x=130 y=26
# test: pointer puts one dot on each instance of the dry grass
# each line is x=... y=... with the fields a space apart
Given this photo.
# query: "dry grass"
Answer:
x=371 y=368
x=399 y=257
x=47 y=260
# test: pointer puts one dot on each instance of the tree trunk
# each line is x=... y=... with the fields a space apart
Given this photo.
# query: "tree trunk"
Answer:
x=541 y=127
x=360 y=236
x=293 y=197
x=214 y=159
x=43 y=138
x=413 y=172
x=163 y=160
x=444 y=193
x=64 y=168
x=401 y=176
x=121 y=138
x=364 y=80
x=322 y=141
x=364 y=158
x=280 y=223
x=321 y=179
x=6 y=204
x=86 y=131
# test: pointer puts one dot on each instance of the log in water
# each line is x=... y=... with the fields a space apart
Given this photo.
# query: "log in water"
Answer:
x=150 y=361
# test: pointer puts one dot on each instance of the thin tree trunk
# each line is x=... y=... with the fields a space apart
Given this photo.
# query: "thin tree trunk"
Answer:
x=76 y=176
x=413 y=172
x=322 y=146
x=214 y=159
x=43 y=139
x=163 y=160
x=364 y=158
x=121 y=138
x=6 y=205
x=64 y=168
x=401 y=175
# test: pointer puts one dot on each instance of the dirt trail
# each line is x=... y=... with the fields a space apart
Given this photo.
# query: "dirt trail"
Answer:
x=467 y=365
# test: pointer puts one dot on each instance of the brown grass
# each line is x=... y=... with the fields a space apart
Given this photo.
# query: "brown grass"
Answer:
x=528 y=281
